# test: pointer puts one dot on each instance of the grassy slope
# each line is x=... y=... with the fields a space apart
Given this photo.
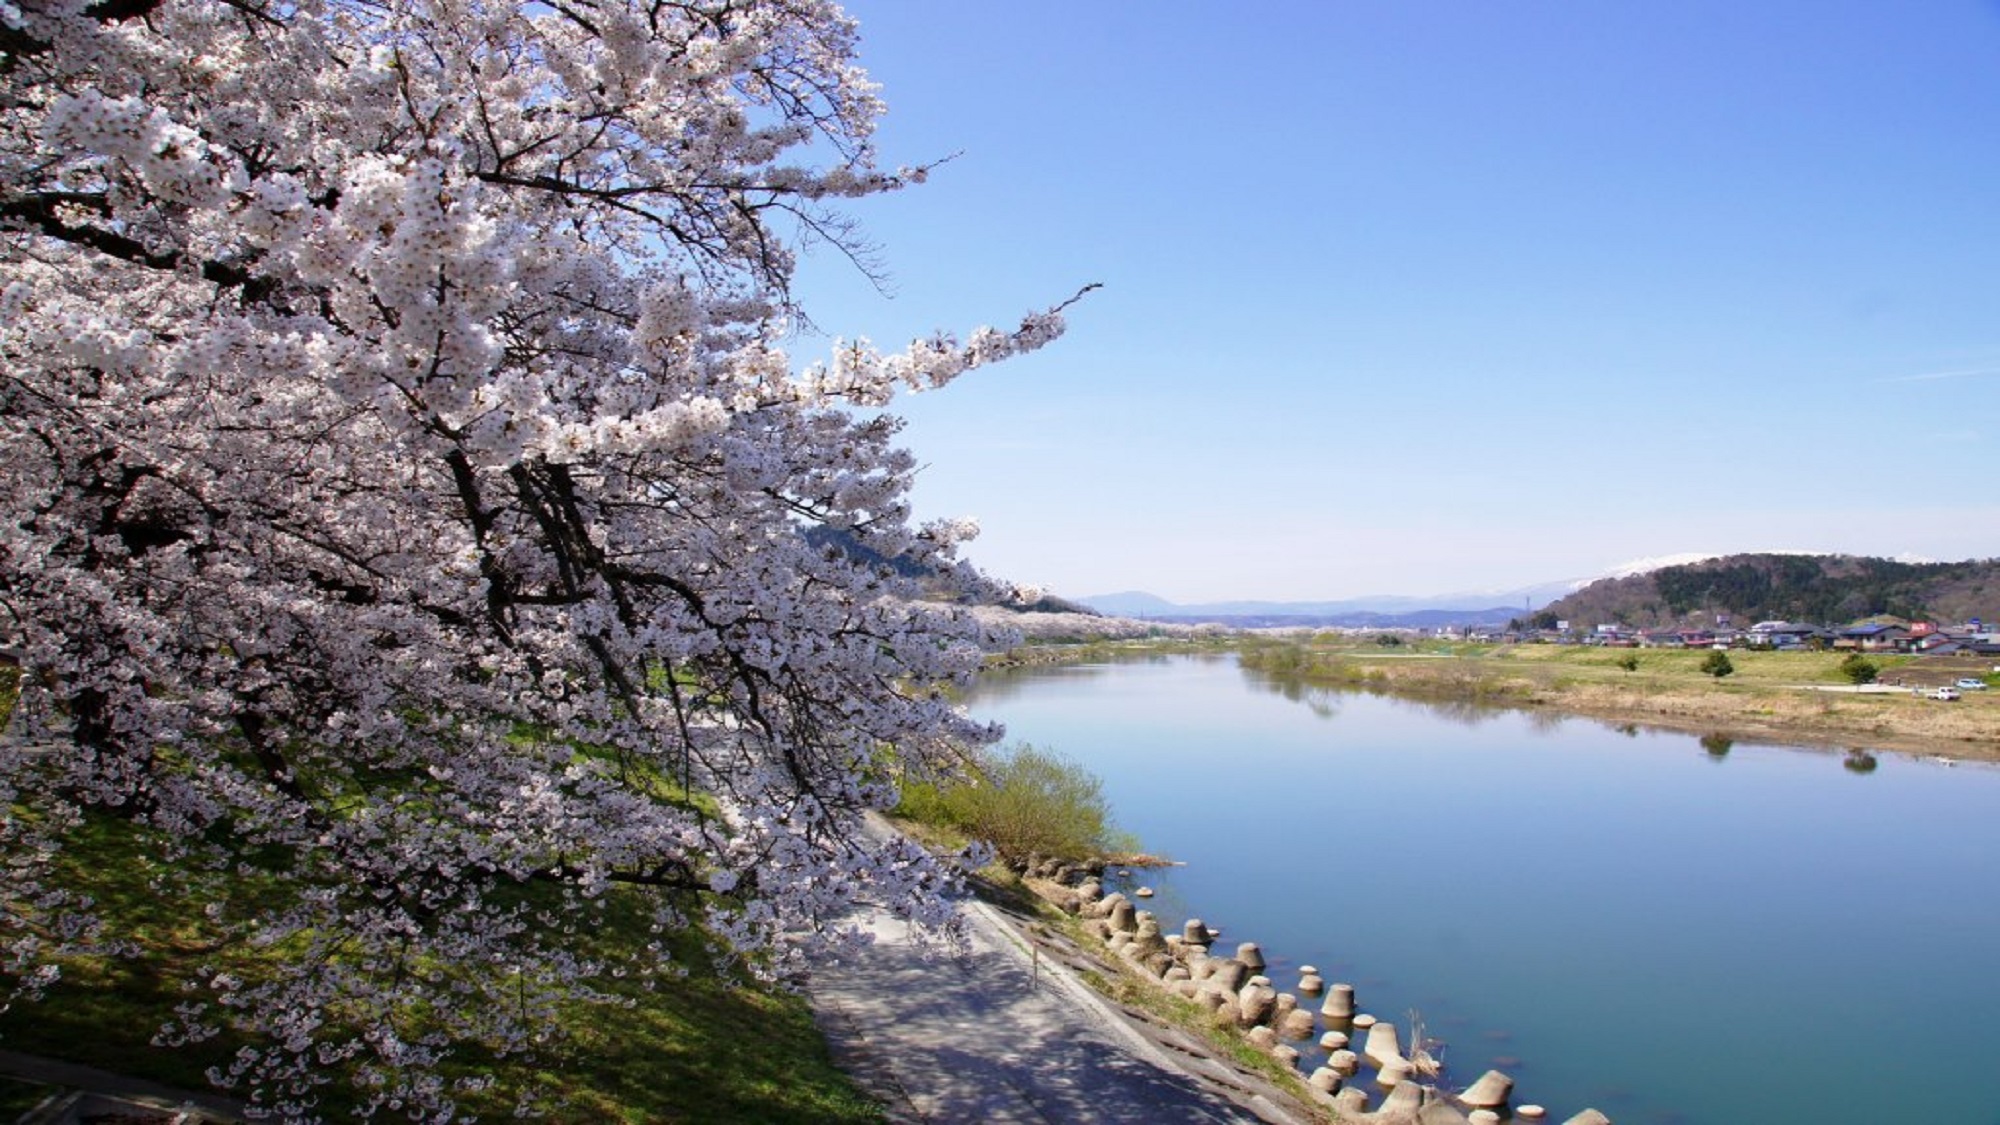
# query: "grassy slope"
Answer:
x=695 y=1049
x=691 y=1049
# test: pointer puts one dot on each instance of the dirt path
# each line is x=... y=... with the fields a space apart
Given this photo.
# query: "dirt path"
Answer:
x=1007 y=1032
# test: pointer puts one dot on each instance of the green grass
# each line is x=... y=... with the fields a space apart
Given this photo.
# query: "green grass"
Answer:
x=696 y=1048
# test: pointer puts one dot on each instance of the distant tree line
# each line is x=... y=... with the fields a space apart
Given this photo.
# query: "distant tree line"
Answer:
x=1804 y=588
x=1814 y=588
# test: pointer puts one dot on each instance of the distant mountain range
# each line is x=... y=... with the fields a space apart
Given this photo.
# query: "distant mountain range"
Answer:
x=1382 y=611
x=1675 y=589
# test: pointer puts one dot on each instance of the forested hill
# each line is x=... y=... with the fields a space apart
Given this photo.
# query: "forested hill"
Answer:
x=1820 y=589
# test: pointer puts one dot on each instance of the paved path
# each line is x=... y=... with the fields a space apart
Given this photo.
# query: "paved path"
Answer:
x=1006 y=1032
x=107 y=1092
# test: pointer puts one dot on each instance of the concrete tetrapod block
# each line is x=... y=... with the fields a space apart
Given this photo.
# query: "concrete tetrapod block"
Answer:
x=1589 y=1117
x=1346 y=1062
x=1352 y=1101
x=1295 y=1024
x=1255 y=1003
x=1228 y=974
x=1262 y=1038
x=1364 y=1021
x=1107 y=904
x=1339 y=1002
x=1333 y=1040
x=1489 y=1091
x=1404 y=1098
x=1146 y=939
x=1393 y=1073
x=1194 y=932
x=1124 y=918
x=1483 y=1117
x=1251 y=954
x=1383 y=1044
x=1311 y=984
x=1531 y=1113
x=1286 y=1053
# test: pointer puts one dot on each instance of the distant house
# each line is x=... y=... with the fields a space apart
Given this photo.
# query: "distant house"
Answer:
x=1661 y=638
x=1934 y=640
x=1872 y=638
x=1783 y=634
x=1612 y=636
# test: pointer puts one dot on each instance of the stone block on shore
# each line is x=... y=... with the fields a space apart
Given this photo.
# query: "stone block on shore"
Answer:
x=1229 y=973
x=1124 y=918
x=1383 y=1045
x=1489 y=1091
x=1251 y=954
x=1295 y=1024
x=1339 y=1002
x=1255 y=1003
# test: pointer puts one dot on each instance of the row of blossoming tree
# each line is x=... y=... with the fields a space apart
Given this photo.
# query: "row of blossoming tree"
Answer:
x=405 y=494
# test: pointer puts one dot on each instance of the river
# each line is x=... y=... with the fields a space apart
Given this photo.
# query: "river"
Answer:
x=1674 y=932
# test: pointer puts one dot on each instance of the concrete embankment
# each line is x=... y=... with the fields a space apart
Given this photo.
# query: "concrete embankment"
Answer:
x=1370 y=1074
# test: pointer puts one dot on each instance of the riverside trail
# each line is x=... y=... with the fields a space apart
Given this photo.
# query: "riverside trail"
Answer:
x=1006 y=1030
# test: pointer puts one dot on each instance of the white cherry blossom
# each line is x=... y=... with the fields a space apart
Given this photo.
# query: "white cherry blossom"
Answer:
x=410 y=503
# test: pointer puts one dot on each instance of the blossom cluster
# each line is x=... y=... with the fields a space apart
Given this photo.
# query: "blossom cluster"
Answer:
x=410 y=506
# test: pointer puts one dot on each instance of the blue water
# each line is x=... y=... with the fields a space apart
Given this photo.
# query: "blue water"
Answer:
x=1618 y=919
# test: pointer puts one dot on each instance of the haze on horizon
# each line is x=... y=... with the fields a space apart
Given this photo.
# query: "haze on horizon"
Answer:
x=1420 y=300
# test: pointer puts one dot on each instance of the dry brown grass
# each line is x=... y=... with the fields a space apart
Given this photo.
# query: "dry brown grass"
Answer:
x=1789 y=697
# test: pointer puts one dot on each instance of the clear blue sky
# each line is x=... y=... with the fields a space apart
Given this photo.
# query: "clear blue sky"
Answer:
x=1426 y=297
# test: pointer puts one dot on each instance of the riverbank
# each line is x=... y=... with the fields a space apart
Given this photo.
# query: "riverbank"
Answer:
x=1794 y=698
x=1786 y=697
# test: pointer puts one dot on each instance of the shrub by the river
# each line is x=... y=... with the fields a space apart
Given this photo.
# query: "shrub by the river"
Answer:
x=1859 y=669
x=1024 y=801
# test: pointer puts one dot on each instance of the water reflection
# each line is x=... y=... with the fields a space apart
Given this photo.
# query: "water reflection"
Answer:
x=1325 y=700
x=1718 y=745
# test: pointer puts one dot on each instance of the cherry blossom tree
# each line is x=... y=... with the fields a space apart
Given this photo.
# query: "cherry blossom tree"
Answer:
x=407 y=494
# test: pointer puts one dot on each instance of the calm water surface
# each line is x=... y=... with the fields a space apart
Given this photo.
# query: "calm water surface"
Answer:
x=1672 y=933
